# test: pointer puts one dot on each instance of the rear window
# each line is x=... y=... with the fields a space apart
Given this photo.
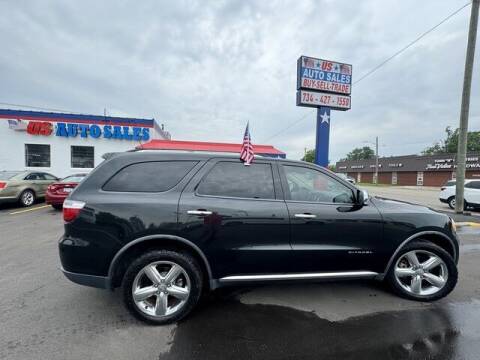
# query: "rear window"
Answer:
x=73 y=178
x=154 y=176
x=6 y=175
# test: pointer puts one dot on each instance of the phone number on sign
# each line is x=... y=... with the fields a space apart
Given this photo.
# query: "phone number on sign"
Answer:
x=320 y=99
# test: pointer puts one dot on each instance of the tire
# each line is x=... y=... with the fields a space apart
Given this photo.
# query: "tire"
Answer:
x=27 y=198
x=57 y=206
x=451 y=203
x=189 y=280
x=446 y=271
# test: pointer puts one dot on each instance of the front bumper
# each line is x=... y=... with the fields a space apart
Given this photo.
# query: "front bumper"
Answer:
x=101 y=282
x=443 y=200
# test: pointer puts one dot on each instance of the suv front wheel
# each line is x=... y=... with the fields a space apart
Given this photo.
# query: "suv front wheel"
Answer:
x=423 y=271
x=162 y=286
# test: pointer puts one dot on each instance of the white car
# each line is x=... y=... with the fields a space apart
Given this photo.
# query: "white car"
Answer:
x=345 y=177
x=471 y=195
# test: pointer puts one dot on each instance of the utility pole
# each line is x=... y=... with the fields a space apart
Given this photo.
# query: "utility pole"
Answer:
x=467 y=84
x=376 y=160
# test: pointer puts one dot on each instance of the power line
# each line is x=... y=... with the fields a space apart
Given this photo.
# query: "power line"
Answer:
x=370 y=72
x=37 y=107
x=410 y=44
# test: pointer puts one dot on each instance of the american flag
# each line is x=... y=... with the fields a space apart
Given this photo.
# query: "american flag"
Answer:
x=247 y=154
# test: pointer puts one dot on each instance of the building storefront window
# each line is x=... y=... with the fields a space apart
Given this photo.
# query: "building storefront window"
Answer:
x=37 y=155
x=82 y=157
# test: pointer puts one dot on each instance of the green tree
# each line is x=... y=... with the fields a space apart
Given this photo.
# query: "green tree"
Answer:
x=309 y=156
x=450 y=143
x=363 y=153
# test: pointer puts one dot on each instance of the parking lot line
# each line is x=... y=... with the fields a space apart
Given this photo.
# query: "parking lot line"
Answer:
x=468 y=223
x=26 y=210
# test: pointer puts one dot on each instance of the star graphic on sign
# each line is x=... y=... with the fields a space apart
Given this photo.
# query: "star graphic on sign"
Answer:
x=325 y=118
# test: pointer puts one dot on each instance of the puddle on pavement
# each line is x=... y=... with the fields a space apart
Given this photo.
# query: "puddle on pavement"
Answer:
x=224 y=328
x=467 y=248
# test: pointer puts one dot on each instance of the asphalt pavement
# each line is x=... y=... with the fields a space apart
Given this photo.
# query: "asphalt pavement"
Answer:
x=44 y=316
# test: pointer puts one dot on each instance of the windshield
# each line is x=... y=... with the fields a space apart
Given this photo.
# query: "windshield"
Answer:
x=450 y=183
x=73 y=178
x=6 y=175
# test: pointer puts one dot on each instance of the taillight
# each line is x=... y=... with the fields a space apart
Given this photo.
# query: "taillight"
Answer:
x=71 y=209
x=2 y=185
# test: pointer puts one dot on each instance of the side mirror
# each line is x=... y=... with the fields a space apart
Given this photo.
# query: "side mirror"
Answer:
x=362 y=197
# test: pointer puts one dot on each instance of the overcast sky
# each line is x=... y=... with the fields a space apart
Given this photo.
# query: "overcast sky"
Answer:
x=205 y=68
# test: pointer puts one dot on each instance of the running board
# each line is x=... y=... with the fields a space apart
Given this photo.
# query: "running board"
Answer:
x=302 y=276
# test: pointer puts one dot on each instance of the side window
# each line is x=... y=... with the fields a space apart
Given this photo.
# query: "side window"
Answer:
x=307 y=184
x=154 y=176
x=233 y=179
x=49 y=176
x=473 y=185
x=32 y=176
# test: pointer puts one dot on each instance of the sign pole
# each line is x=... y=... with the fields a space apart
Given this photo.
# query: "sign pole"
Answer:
x=323 y=136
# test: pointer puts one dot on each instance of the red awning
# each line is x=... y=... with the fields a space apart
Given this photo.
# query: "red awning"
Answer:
x=207 y=146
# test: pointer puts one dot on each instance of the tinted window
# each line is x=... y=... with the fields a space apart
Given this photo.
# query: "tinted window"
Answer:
x=233 y=179
x=473 y=185
x=307 y=184
x=33 y=176
x=152 y=176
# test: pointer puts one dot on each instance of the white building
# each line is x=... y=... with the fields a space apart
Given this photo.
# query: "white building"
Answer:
x=64 y=144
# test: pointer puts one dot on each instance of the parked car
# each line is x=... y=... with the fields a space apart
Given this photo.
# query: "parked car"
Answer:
x=471 y=193
x=346 y=177
x=24 y=186
x=58 y=191
x=168 y=226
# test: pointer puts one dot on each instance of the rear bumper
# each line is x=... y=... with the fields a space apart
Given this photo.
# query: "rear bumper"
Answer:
x=7 y=199
x=101 y=282
x=54 y=199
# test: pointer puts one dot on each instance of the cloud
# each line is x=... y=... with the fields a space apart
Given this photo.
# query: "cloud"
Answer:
x=206 y=68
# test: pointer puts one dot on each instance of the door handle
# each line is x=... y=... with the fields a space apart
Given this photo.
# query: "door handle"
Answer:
x=199 y=212
x=305 y=216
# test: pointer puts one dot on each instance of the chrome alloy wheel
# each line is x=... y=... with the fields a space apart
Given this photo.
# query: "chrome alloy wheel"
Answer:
x=421 y=272
x=28 y=198
x=161 y=288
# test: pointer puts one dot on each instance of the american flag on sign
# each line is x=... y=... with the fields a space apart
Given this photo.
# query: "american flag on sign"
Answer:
x=247 y=154
x=17 y=124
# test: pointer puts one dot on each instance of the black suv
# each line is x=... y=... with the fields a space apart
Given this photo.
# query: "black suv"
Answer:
x=166 y=226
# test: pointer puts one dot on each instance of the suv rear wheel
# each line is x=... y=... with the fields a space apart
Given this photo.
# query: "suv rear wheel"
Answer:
x=162 y=286
x=423 y=271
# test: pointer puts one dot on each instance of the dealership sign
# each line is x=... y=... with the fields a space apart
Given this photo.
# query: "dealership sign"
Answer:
x=88 y=130
x=324 y=75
